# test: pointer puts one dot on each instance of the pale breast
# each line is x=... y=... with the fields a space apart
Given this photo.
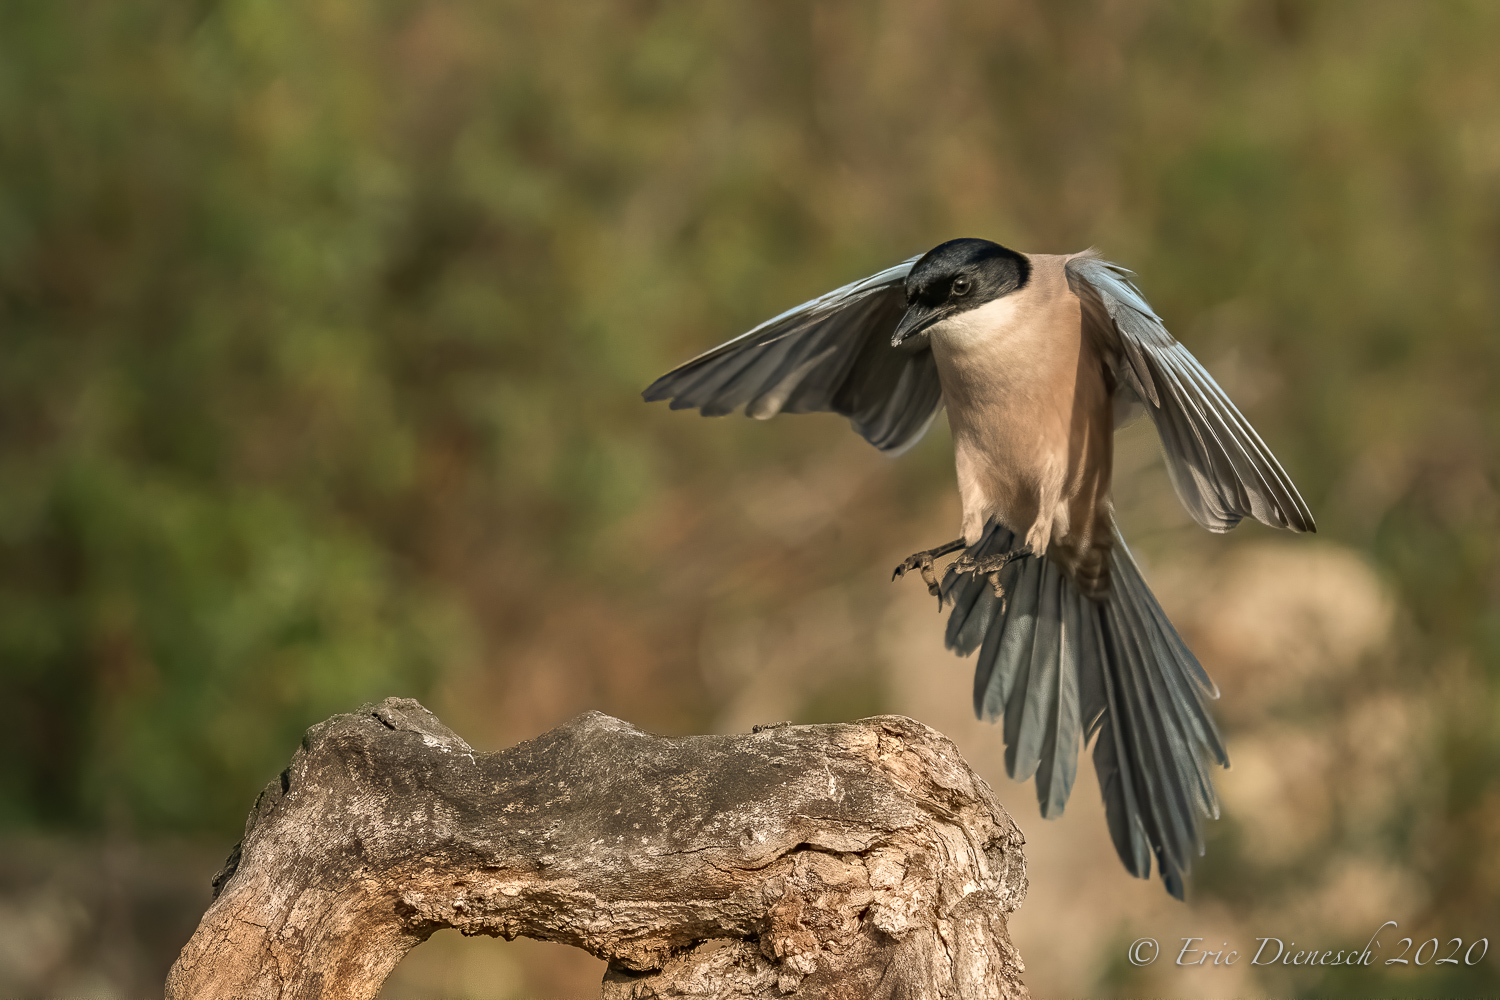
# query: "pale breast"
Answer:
x=1009 y=370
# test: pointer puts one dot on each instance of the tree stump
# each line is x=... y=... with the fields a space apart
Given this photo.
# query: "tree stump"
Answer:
x=863 y=860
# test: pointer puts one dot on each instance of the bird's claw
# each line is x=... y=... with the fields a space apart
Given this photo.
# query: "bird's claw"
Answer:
x=990 y=566
x=922 y=562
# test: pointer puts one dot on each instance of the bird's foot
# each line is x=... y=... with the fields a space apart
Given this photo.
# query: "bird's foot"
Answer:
x=990 y=566
x=922 y=562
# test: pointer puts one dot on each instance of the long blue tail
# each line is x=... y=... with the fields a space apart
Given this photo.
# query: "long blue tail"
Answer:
x=1062 y=669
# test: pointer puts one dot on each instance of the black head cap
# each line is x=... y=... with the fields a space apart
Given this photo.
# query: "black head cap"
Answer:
x=955 y=277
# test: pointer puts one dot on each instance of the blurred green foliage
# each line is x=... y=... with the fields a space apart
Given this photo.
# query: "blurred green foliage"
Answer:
x=322 y=327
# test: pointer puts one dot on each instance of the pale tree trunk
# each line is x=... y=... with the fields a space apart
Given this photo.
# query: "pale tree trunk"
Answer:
x=863 y=860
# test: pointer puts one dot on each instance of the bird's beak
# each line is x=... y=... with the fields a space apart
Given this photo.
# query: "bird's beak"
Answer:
x=917 y=319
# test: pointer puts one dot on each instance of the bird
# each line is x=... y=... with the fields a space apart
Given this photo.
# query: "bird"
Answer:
x=1037 y=359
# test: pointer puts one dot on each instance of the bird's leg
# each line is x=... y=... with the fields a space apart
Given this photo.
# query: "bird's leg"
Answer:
x=990 y=566
x=923 y=561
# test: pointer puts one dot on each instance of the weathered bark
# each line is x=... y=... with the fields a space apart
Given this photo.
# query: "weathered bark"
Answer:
x=862 y=860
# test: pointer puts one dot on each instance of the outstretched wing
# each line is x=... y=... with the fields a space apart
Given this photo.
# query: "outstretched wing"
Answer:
x=1220 y=467
x=833 y=353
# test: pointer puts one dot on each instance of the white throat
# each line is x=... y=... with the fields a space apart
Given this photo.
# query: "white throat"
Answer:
x=983 y=323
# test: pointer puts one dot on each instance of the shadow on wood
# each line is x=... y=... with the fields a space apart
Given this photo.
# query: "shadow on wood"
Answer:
x=861 y=860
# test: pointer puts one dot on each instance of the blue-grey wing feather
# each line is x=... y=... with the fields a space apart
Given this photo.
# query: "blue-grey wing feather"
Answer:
x=831 y=354
x=1221 y=469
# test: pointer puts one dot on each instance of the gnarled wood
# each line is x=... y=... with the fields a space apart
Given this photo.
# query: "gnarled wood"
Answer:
x=862 y=860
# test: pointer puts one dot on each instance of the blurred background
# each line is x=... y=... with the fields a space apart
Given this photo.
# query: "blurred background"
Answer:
x=322 y=328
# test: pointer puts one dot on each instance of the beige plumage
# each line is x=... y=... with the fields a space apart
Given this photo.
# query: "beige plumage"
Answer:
x=1032 y=441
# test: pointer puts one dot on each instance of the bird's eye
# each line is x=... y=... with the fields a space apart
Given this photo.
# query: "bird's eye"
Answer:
x=960 y=286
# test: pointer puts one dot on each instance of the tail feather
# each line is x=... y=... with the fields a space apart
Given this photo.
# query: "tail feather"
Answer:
x=1186 y=684
x=1058 y=761
x=1062 y=669
x=991 y=691
x=1114 y=765
x=1036 y=683
x=1168 y=821
x=975 y=606
x=1018 y=621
